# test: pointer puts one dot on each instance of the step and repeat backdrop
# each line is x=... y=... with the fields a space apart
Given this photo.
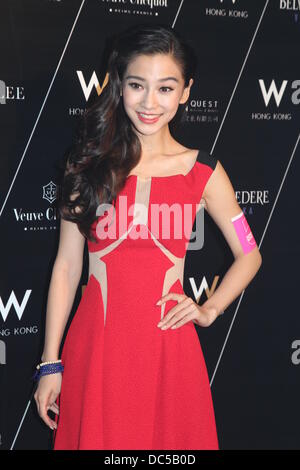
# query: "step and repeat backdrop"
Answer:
x=243 y=109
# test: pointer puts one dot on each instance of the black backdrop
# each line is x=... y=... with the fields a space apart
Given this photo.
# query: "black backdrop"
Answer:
x=244 y=109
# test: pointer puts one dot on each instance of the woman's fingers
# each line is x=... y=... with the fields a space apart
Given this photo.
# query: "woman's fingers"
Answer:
x=43 y=412
x=182 y=310
x=54 y=408
x=45 y=396
x=43 y=406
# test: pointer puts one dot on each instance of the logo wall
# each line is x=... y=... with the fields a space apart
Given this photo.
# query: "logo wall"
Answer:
x=39 y=220
x=273 y=94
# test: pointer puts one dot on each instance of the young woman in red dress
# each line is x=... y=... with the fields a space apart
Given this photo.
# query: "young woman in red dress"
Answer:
x=134 y=375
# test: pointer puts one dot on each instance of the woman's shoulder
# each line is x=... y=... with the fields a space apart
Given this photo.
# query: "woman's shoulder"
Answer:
x=199 y=155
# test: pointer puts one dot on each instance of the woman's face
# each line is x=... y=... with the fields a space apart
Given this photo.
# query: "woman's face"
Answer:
x=152 y=89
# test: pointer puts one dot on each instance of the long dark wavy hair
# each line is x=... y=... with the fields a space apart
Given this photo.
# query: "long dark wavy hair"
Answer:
x=106 y=148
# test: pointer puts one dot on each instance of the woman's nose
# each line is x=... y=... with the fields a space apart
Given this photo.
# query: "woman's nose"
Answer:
x=149 y=99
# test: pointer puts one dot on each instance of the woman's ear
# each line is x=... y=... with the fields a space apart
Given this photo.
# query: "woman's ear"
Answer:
x=186 y=92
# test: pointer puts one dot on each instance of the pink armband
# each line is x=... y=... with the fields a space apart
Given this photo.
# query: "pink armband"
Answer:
x=243 y=232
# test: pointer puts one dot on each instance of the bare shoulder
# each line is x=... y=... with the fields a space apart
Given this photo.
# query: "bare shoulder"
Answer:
x=188 y=157
x=218 y=182
x=188 y=153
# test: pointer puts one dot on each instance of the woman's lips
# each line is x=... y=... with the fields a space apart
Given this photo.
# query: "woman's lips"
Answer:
x=148 y=120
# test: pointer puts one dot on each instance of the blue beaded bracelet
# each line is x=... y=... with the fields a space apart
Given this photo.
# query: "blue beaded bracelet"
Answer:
x=47 y=369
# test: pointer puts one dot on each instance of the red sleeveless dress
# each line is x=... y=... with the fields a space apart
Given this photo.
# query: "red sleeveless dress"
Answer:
x=127 y=384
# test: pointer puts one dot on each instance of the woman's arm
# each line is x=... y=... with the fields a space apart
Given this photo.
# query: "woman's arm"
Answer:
x=222 y=206
x=65 y=277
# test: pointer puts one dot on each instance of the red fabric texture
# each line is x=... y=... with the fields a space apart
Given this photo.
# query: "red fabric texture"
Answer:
x=127 y=384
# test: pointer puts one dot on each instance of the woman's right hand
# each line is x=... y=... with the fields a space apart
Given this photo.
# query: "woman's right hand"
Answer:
x=45 y=396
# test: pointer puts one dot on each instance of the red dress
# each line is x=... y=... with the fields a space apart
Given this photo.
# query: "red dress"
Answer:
x=127 y=384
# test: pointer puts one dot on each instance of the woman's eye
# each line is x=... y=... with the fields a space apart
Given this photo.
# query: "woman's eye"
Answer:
x=135 y=86
x=133 y=83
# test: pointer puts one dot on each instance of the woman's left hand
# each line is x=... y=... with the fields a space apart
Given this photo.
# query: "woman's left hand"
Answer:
x=185 y=311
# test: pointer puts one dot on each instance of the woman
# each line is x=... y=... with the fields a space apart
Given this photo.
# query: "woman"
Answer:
x=134 y=375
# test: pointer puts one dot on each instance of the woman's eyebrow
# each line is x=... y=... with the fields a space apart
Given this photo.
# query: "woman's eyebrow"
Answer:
x=159 y=80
